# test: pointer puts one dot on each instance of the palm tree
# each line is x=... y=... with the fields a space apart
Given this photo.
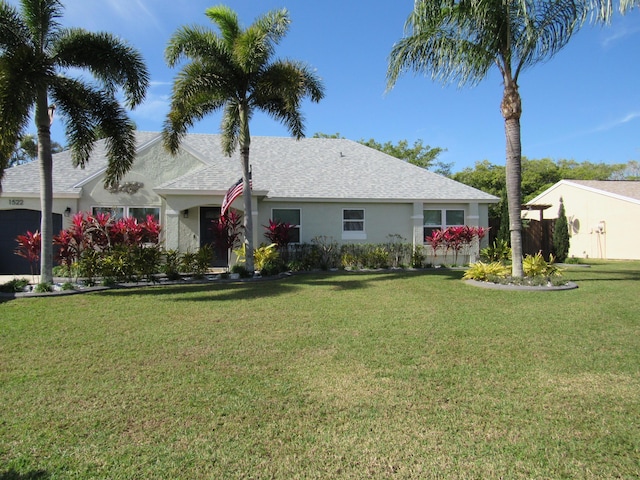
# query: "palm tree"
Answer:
x=461 y=40
x=36 y=55
x=603 y=9
x=234 y=71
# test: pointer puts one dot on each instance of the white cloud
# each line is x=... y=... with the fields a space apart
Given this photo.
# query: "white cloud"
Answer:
x=616 y=123
x=134 y=11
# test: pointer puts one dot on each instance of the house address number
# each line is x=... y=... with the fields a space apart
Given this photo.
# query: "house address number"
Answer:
x=16 y=202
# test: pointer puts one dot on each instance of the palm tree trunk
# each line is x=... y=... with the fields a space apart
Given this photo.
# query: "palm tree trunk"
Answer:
x=45 y=161
x=511 y=111
x=245 y=144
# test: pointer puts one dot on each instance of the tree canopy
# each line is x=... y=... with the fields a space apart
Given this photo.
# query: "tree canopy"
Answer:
x=418 y=154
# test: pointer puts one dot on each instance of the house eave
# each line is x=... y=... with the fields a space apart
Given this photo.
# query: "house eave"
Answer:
x=377 y=200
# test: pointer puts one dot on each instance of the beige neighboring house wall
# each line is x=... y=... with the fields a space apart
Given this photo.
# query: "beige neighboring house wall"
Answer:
x=602 y=215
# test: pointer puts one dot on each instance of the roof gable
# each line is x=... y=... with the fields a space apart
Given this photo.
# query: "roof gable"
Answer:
x=627 y=190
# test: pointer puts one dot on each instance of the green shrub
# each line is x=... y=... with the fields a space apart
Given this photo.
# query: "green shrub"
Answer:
x=187 y=262
x=560 y=239
x=537 y=266
x=14 y=285
x=326 y=252
x=89 y=265
x=349 y=261
x=147 y=261
x=203 y=259
x=483 y=272
x=171 y=266
x=272 y=266
x=43 y=287
x=418 y=257
x=498 y=251
x=378 y=257
x=264 y=254
x=241 y=270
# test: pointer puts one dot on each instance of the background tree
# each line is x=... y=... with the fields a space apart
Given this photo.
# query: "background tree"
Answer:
x=27 y=150
x=234 y=71
x=463 y=40
x=421 y=155
x=561 y=235
x=36 y=56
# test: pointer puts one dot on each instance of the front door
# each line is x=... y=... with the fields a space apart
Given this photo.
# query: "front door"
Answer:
x=220 y=254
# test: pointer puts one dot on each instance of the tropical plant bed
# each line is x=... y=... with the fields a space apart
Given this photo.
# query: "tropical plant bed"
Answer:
x=64 y=287
x=531 y=286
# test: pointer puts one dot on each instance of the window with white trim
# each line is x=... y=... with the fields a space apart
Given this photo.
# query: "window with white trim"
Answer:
x=139 y=213
x=288 y=215
x=441 y=218
x=353 y=227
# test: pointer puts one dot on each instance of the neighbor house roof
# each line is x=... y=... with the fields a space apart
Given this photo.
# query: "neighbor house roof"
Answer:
x=282 y=168
x=624 y=189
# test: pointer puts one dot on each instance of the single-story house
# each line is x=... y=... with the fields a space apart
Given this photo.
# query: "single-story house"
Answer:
x=335 y=188
x=602 y=216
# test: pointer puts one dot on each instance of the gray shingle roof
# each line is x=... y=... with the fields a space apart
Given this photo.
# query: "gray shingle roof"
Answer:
x=25 y=179
x=624 y=188
x=283 y=168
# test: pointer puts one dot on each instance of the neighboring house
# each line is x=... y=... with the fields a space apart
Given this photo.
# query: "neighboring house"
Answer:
x=336 y=188
x=602 y=216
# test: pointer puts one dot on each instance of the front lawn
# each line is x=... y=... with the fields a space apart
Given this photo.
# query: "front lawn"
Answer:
x=347 y=375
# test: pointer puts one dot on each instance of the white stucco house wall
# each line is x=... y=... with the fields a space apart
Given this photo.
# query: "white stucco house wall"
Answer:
x=336 y=188
x=602 y=215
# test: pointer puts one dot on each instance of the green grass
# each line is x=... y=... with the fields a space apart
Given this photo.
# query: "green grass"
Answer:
x=388 y=375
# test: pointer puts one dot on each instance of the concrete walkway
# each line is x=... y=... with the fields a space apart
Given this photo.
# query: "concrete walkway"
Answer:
x=35 y=279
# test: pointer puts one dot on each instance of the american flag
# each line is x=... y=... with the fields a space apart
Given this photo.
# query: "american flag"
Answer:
x=234 y=192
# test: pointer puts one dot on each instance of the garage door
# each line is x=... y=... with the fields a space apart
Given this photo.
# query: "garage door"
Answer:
x=12 y=224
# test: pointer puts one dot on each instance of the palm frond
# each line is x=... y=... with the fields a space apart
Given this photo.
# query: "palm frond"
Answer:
x=14 y=32
x=230 y=127
x=110 y=60
x=546 y=31
x=280 y=89
x=75 y=101
x=93 y=113
x=41 y=17
x=197 y=91
x=603 y=10
x=195 y=43
x=227 y=21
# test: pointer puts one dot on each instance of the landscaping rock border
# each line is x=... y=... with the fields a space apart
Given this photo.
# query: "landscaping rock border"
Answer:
x=530 y=288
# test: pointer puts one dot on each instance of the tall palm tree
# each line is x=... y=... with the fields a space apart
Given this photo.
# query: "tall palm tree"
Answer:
x=462 y=40
x=234 y=71
x=36 y=55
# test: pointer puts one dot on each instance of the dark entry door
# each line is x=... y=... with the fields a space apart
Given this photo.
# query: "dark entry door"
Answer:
x=220 y=254
x=12 y=224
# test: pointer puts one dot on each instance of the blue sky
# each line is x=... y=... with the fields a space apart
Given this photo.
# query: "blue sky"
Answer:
x=584 y=104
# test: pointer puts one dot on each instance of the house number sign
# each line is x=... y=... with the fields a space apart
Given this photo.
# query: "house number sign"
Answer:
x=14 y=202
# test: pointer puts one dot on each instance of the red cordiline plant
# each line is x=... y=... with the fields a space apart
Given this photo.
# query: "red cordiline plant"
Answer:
x=29 y=248
x=455 y=238
x=227 y=230
x=279 y=233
